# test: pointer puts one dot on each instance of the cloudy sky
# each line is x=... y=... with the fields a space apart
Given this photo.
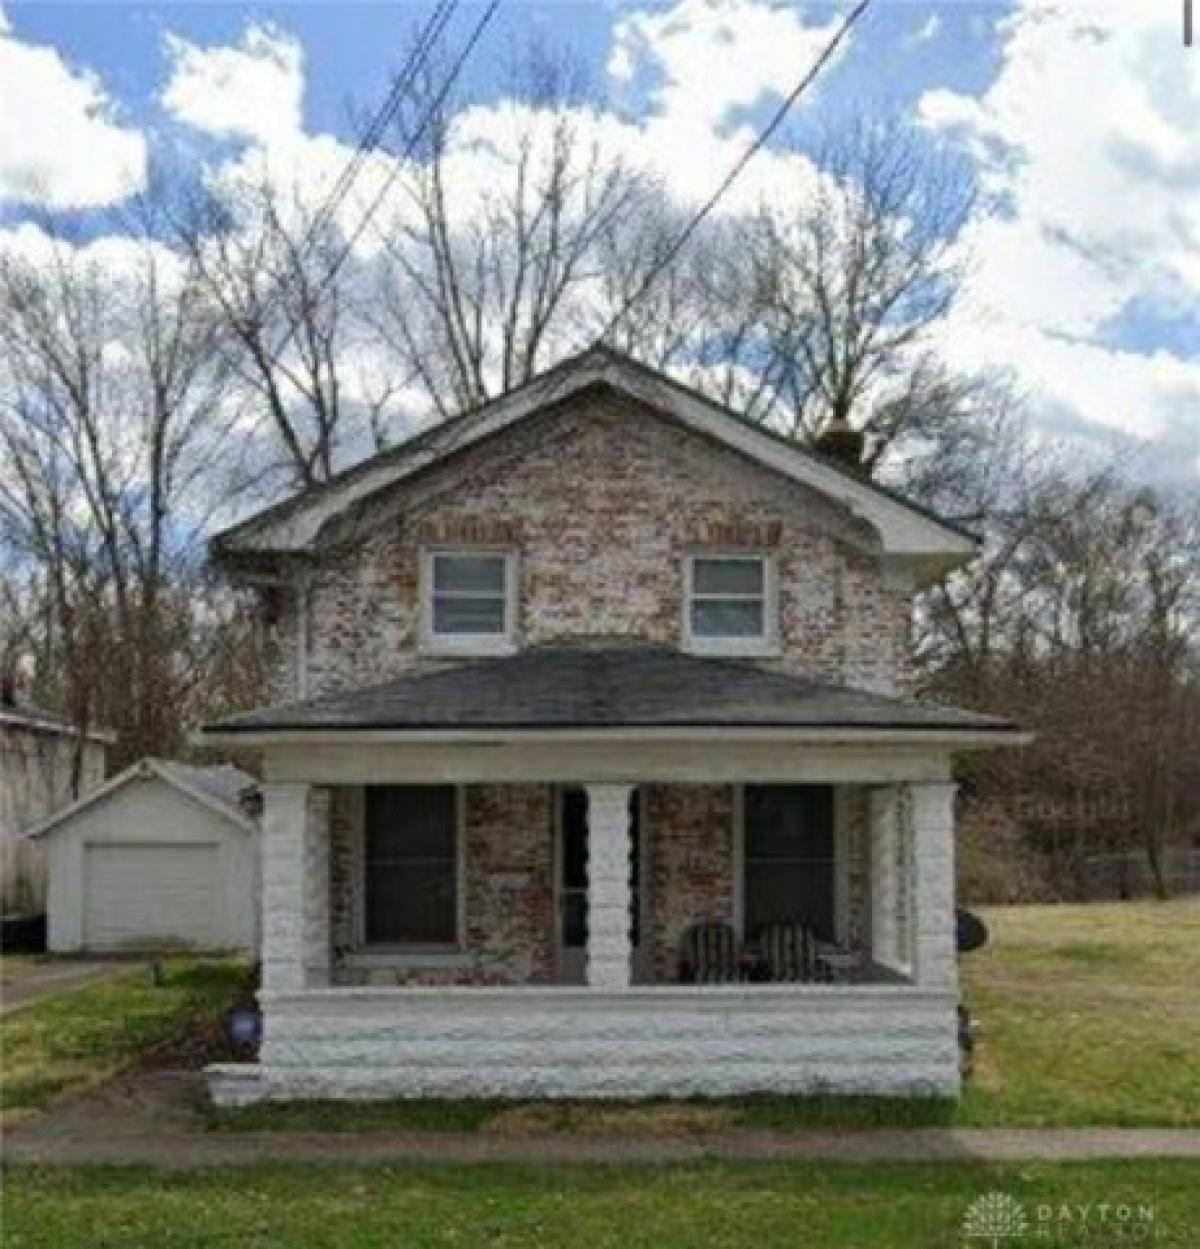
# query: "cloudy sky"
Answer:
x=1081 y=119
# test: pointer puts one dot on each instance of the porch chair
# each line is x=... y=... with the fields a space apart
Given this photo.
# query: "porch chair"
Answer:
x=789 y=951
x=709 y=954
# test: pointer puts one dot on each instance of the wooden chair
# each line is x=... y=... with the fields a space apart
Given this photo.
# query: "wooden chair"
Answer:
x=789 y=951
x=709 y=954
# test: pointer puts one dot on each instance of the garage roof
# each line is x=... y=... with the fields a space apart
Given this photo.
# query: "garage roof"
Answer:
x=218 y=788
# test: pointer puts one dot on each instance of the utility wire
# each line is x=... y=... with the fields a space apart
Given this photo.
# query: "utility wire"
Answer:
x=398 y=164
x=734 y=173
x=371 y=136
x=366 y=143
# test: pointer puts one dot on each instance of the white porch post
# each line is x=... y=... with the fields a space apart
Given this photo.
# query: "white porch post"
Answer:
x=295 y=886
x=609 y=949
x=885 y=878
x=932 y=887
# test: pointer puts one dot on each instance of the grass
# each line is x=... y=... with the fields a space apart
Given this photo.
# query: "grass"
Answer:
x=86 y=1034
x=1088 y=1015
x=897 y=1206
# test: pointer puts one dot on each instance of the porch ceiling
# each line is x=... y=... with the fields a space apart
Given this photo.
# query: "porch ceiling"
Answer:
x=568 y=689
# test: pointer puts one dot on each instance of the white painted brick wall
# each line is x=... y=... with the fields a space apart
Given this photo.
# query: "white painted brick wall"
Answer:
x=677 y=1042
x=295 y=886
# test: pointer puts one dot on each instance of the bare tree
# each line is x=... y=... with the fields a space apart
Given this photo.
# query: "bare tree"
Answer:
x=115 y=419
x=488 y=285
x=857 y=271
x=274 y=268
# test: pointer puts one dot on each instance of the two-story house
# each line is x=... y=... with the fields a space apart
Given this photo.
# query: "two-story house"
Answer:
x=593 y=770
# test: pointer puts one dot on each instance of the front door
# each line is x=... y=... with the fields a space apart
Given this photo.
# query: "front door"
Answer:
x=572 y=884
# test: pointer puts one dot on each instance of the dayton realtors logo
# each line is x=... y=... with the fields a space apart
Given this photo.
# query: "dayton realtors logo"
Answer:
x=993 y=1219
x=999 y=1221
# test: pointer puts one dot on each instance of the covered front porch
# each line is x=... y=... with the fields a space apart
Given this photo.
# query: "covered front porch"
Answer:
x=479 y=886
x=556 y=989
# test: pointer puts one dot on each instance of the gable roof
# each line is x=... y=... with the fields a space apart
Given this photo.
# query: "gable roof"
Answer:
x=565 y=687
x=217 y=788
x=906 y=529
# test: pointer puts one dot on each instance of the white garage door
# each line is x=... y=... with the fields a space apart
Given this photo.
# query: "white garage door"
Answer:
x=151 y=896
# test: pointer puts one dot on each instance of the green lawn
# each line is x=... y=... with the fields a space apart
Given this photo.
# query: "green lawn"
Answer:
x=87 y=1033
x=752 y=1205
x=1089 y=1015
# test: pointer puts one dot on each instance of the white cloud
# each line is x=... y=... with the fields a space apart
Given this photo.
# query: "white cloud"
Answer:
x=715 y=56
x=61 y=142
x=1089 y=154
x=252 y=90
x=742 y=53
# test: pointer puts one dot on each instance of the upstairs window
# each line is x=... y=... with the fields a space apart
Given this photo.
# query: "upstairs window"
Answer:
x=730 y=605
x=470 y=601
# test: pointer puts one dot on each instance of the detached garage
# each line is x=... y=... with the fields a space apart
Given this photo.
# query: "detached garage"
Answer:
x=164 y=856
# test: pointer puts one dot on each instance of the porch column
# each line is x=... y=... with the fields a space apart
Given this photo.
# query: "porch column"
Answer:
x=609 y=949
x=885 y=878
x=932 y=921
x=295 y=886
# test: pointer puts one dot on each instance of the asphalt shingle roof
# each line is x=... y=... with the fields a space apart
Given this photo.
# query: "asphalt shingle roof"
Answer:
x=563 y=687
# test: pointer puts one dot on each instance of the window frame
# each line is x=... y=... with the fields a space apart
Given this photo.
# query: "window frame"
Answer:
x=840 y=864
x=434 y=643
x=767 y=644
x=433 y=953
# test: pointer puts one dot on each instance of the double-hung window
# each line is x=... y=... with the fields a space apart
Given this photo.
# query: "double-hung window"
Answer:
x=788 y=858
x=730 y=605
x=470 y=601
x=410 y=866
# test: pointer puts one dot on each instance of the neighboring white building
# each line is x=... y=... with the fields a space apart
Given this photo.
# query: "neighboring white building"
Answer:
x=44 y=764
x=164 y=856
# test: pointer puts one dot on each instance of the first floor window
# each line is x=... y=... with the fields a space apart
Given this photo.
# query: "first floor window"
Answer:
x=410 y=852
x=788 y=848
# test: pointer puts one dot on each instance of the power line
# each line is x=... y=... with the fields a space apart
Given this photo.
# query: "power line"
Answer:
x=370 y=137
x=734 y=173
x=398 y=164
x=367 y=142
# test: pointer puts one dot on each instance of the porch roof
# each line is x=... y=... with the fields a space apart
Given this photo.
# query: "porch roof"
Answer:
x=567 y=687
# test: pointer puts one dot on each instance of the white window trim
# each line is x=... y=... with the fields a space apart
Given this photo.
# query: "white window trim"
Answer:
x=469 y=643
x=760 y=647
x=393 y=954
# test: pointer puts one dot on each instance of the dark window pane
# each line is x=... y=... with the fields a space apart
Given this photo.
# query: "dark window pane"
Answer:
x=470 y=573
x=574 y=839
x=452 y=614
x=727 y=576
x=789 y=857
x=574 y=920
x=727 y=618
x=411 y=868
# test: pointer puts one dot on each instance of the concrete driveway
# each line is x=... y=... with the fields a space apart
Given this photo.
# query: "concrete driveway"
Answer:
x=57 y=975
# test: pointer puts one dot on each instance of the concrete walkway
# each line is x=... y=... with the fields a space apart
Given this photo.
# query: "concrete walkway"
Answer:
x=55 y=977
x=152 y=1119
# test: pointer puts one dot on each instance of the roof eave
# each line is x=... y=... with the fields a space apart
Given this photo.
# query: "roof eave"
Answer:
x=281 y=735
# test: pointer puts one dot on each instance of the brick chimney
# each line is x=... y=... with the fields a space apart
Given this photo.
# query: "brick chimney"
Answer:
x=841 y=441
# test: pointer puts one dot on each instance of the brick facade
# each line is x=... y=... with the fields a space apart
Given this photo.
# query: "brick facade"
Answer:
x=601 y=501
x=508 y=879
